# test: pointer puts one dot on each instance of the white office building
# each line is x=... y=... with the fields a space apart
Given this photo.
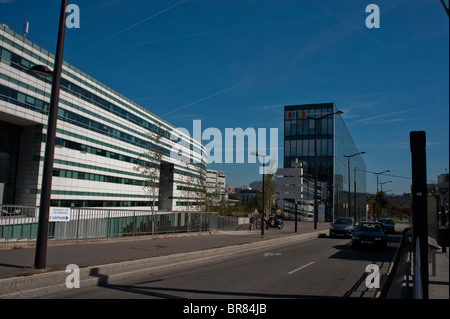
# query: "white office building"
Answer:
x=215 y=181
x=100 y=140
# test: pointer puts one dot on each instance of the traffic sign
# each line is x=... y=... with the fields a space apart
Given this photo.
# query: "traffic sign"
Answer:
x=59 y=214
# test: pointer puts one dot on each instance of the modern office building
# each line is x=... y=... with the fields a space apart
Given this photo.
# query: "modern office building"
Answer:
x=334 y=143
x=102 y=137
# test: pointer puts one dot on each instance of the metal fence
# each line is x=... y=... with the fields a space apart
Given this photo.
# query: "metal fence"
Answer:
x=20 y=223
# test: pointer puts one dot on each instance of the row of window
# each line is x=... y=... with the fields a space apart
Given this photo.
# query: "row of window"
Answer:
x=108 y=203
x=188 y=188
x=187 y=203
x=325 y=165
x=26 y=51
x=23 y=65
x=96 y=177
x=13 y=96
x=60 y=142
x=306 y=147
x=97 y=203
x=306 y=127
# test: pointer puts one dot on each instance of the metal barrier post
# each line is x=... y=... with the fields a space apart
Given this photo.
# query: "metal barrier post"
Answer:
x=417 y=272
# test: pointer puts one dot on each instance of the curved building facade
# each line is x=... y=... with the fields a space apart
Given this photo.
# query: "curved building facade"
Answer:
x=102 y=138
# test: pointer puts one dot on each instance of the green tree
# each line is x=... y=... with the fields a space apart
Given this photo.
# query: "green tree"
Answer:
x=151 y=160
x=382 y=201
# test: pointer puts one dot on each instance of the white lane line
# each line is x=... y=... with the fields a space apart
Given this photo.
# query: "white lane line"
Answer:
x=300 y=268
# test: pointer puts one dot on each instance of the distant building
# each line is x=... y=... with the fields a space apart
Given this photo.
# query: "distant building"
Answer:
x=404 y=200
x=229 y=189
x=256 y=185
x=246 y=193
x=215 y=181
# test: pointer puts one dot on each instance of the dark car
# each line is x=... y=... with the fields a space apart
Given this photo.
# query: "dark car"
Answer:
x=388 y=225
x=369 y=234
x=343 y=227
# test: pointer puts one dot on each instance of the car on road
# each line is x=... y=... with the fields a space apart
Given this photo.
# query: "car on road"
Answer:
x=369 y=234
x=388 y=224
x=342 y=227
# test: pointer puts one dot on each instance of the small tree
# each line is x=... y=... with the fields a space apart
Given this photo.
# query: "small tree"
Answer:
x=269 y=194
x=149 y=168
x=202 y=197
x=382 y=201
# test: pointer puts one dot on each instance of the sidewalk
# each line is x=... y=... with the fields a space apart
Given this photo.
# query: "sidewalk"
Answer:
x=439 y=285
x=113 y=258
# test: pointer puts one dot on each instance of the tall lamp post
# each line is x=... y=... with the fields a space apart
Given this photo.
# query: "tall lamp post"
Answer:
x=376 y=195
x=263 y=192
x=316 y=165
x=44 y=207
x=348 y=170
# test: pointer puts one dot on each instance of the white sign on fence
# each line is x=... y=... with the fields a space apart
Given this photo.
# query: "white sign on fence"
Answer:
x=59 y=214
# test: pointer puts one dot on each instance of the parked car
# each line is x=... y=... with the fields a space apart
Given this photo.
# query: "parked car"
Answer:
x=388 y=224
x=342 y=226
x=369 y=234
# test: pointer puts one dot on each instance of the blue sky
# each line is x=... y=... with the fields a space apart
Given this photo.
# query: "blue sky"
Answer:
x=237 y=63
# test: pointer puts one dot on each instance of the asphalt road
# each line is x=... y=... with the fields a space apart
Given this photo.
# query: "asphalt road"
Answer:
x=317 y=268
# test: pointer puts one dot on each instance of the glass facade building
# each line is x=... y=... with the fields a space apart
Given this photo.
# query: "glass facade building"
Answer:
x=102 y=136
x=334 y=143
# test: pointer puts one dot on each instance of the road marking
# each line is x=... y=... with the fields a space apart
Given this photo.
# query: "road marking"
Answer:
x=272 y=254
x=300 y=268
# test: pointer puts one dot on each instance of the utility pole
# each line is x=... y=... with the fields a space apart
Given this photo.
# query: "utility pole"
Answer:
x=46 y=187
x=419 y=203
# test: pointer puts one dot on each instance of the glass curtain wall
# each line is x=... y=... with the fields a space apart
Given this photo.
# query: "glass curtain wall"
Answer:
x=344 y=205
x=333 y=142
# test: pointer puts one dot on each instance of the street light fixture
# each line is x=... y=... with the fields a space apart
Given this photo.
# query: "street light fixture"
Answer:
x=41 y=70
x=46 y=187
x=316 y=165
x=384 y=183
x=348 y=170
x=263 y=195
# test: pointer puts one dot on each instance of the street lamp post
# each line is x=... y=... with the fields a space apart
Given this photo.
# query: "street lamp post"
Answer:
x=316 y=165
x=44 y=207
x=348 y=171
x=263 y=192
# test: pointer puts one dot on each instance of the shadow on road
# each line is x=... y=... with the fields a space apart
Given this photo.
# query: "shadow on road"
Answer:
x=176 y=293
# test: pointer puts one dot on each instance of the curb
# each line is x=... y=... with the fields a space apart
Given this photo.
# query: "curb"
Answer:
x=53 y=282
